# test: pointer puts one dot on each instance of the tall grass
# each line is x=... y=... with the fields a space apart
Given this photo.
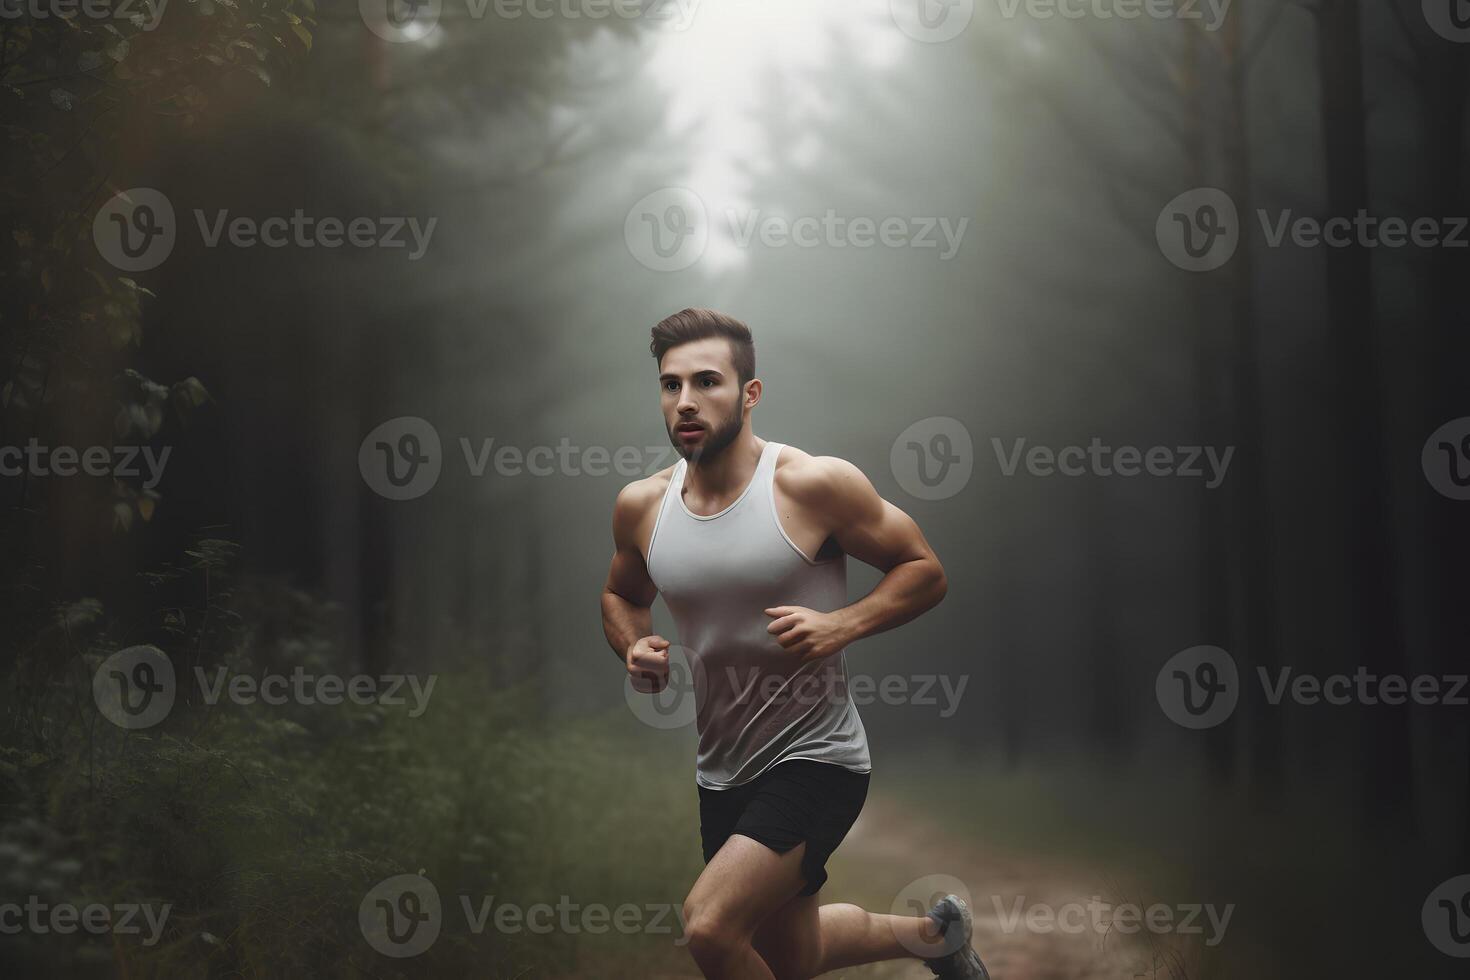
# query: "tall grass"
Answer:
x=262 y=828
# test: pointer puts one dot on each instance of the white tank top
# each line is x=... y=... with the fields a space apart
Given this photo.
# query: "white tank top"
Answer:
x=756 y=703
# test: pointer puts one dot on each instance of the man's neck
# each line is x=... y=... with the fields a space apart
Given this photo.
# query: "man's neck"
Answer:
x=728 y=472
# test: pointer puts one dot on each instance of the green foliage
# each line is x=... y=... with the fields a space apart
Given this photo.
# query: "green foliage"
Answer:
x=86 y=89
x=263 y=827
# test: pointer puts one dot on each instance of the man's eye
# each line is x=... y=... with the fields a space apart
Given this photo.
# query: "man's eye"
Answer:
x=709 y=382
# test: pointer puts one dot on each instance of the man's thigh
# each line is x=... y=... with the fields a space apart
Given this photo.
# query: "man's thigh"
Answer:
x=743 y=884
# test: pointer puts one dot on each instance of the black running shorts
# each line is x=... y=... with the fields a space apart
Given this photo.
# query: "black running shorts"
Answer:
x=793 y=801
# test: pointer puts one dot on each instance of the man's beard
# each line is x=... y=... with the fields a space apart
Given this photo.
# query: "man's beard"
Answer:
x=716 y=440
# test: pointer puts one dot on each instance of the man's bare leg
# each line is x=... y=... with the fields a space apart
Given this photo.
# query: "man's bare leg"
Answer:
x=745 y=921
x=805 y=939
x=740 y=887
x=852 y=936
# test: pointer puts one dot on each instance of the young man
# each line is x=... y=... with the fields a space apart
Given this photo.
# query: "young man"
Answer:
x=747 y=541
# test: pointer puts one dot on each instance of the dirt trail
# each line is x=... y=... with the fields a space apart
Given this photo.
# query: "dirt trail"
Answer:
x=893 y=845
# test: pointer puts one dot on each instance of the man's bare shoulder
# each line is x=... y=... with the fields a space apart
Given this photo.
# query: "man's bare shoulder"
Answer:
x=816 y=479
x=636 y=499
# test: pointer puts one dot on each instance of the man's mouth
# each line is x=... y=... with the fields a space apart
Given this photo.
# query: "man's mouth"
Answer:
x=688 y=430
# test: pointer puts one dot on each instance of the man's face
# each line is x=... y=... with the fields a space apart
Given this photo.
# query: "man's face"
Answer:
x=703 y=403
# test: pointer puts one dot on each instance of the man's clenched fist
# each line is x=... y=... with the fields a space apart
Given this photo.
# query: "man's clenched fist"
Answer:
x=648 y=664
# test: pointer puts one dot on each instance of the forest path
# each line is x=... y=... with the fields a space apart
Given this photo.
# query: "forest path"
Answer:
x=896 y=854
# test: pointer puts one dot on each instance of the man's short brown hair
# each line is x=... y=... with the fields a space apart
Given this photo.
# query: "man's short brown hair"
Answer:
x=697 y=324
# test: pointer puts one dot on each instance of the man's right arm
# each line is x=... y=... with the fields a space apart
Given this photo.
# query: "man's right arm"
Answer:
x=627 y=598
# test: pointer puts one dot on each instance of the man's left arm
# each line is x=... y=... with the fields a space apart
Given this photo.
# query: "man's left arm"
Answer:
x=873 y=531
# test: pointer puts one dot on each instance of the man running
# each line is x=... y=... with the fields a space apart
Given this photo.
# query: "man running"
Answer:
x=747 y=540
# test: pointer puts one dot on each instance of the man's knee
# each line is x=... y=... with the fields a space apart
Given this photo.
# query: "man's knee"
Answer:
x=714 y=938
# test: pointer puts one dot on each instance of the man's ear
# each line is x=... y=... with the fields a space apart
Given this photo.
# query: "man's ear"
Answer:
x=752 y=392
